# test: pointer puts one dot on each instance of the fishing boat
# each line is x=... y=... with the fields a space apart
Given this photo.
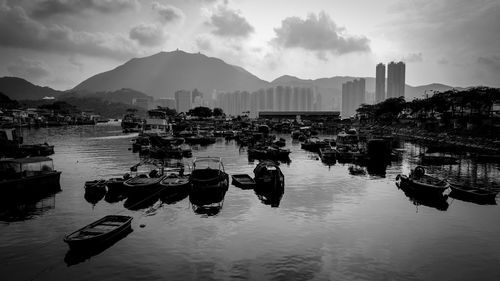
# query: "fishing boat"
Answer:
x=327 y=153
x=99 y=232
x=480 y=195
x=175 y=181
x=146 y=182
x=243 y=181
x=95 y=184
x=268 y=172
x=419 y=181
x=31 y=174
x=209 y=175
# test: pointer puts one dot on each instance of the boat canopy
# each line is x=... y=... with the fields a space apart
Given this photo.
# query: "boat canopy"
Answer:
x=27 y=164
x=208 y=162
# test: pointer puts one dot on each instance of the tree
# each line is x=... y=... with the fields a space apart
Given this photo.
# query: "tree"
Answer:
x=218 y=112
x=200 y=111
x=168 y=111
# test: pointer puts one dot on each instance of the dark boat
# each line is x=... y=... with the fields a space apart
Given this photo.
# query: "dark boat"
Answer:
x=208 y=174
x=95 y=184
x=437 y=201
x=143 y=183
x=98 y=232
x=420 y=182
x=32 y=174
x=175 y=181
x=243 y=181
x=479 y=195
x=268 y=172
x=116 y=183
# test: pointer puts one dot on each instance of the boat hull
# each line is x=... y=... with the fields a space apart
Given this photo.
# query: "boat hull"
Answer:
x=38 y=183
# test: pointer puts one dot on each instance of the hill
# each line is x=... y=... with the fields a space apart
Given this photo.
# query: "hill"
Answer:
x=20 y=89
x=162 y=74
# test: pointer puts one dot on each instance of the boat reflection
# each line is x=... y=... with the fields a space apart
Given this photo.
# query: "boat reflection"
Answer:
x=140 y=201
x=79 y=255
x=208 y=203
x=437 y=201
x=174 y=197
x=115 y=195
x=270 y=194
x=95 y=194
x=21 y=208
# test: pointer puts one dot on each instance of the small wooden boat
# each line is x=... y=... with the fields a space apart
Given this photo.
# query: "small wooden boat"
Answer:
x=98 y=232
x=421 y=182
x=142 y=183
x=327 y=153
x=175 y=182
x=114 y=183
x=473 y=194
x=95 y=184
x=243 y=181
x=268 y=172
x=356 y=171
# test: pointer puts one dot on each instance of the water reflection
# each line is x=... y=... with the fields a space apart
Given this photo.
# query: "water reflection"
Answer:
x=26 y=207
x=174 y=197
x=95 y=194
x=207 y=203
x=270 y=194
x=139 y=201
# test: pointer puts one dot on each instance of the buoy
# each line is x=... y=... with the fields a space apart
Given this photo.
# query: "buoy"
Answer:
x=142 y=225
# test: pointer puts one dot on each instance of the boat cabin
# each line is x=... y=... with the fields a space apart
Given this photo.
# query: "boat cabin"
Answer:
x=25 y=167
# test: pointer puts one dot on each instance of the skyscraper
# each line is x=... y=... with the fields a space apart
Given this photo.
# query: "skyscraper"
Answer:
x=380 y=83
x=353 y=95
x=396 y=80
x=183 y=101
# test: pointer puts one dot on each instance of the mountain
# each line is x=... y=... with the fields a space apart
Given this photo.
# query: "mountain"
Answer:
x=162 y=74
x=125 y=96
x=20 y=89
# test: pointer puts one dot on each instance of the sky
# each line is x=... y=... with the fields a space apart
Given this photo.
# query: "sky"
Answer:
x=60 y=43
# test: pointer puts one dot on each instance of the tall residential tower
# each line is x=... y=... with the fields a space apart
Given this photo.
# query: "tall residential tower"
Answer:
x=396 y=80
x=380 y=83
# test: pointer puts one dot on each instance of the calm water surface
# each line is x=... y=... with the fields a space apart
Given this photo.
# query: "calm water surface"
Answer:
x=329 y=225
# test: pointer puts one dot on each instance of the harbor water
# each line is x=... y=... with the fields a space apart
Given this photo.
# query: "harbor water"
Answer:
x=327 y=224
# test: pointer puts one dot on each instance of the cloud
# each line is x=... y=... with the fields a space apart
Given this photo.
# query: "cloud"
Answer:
x=413 y=57
x=148 y=35
x=492 y=62
x=73 y=61
x=47 y=8
x=229 y=23
x=168 y=13
x=204 y=43
x=317 y=33
x=20 y=31
x=29 y=69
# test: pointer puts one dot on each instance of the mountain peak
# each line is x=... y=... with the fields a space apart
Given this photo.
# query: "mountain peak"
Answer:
x=20 y=89
x=164 y=73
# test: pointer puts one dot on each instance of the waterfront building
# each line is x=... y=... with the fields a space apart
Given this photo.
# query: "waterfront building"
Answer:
x=380 y=83
x=287 y=99
x=295 y=98
x=396 y=80
x=141 y=102
x=353 y=95
x=279 y=98
x=270 y=105
x=183 y=101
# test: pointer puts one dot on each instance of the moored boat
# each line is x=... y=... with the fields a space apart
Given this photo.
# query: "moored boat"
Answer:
x=243 y=181
x=98 y=232
x=420 y=182
x=208 y=174
x=30 y=174
x=268 y=172
x=480 y=195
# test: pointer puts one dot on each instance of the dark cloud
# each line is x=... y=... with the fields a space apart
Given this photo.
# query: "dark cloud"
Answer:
x=32 y=70
x=492 y=62
x=168 y=13
x=414 y=57
x=20 y=31
x=317 y=33
x=229 y=23
x=148 y=35
x=204 y=43
x=48 y=8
